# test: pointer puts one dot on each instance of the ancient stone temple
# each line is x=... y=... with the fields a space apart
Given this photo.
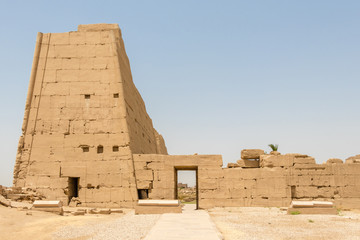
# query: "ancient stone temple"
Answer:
x=86 y=134
x=84 y=119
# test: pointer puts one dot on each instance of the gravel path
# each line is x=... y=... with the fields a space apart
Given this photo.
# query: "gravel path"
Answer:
x=127 y=227
x=274 y=224
x=191 y=224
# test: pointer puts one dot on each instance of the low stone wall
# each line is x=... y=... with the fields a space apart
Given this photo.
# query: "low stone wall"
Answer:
x=278 y=180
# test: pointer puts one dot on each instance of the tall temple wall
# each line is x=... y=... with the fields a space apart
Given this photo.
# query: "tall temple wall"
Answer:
x=142 y=135
x=83 y=119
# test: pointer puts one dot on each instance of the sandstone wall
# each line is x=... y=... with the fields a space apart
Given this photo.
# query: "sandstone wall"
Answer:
x=143 y=137
x=280 y=179
x=157 y=172
x=83 y=118
x=337 y=182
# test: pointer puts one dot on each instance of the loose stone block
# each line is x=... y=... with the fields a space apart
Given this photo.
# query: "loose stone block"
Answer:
x=116 y=211
x=251 y=153
x=244 y=163
x=4 y=201
x=276 y=161
x=41 y=203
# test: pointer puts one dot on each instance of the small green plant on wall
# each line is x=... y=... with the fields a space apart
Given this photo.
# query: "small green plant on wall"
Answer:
x=274 y=147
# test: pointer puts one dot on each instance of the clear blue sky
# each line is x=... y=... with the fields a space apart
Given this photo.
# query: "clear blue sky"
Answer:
x=216 y=76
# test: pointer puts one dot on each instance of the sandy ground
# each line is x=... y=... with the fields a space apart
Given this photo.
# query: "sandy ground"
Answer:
x=273 y=223
x=233 y=223
x=15 y=224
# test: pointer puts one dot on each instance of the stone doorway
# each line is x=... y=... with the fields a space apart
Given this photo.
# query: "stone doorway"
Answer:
x=73 y=186
x=186 y=185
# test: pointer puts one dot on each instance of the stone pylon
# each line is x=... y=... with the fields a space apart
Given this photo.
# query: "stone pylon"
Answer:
x=84 y=119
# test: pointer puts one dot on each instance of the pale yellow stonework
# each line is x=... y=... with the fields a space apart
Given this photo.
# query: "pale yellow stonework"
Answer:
x=85 y=121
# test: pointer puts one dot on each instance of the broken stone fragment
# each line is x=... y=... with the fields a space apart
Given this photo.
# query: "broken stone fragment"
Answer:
x=5 y=202
x=233 y=165
x=74 y=202
x=334 y=160
x=78 y=212
x=100 y=211
x=353 y=159
x=251 y=153
x=116 y=211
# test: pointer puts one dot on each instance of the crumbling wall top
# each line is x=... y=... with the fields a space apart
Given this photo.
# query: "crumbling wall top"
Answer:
x=97 y=27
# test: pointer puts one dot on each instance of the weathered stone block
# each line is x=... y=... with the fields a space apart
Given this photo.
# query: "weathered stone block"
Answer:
x=233 y=165
x=86 y=51
x=304 y=160
x=144 y=184
x=66 y=51
x=142 y=175
x=310 y=166
x=44 y=168
x=92 y=38
x=208 y=184
x=53 y=63
x=334 y=161
x=73 y=171
x=59 y=38
x=244 y=163
x=98 y=195
x=353 y=159
x=251 y=153
x=276 y=161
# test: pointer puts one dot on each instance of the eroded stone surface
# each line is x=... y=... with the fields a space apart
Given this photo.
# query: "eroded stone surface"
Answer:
x=251 y=153
x=353 y=159
x=334 y=160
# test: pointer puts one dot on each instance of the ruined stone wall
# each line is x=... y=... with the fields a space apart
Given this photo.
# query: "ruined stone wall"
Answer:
x=337 y=182
x=77 y=120
x=282 y=178
x=244 y=187
x=279 y=180
x=157 y=172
